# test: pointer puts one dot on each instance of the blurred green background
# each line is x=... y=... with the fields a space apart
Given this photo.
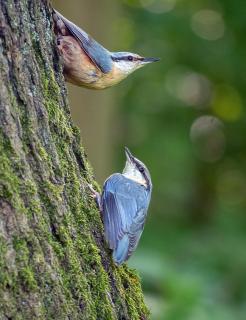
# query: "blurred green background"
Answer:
x=185 y=118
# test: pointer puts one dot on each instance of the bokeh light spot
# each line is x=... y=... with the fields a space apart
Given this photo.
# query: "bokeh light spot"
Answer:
x=227 y=103
x=192 y=88
x=208 y=138
x=158 y=6
x=208 y=24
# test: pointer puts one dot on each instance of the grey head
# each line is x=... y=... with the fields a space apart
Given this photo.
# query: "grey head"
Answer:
x=136 y=170
x=128 y=62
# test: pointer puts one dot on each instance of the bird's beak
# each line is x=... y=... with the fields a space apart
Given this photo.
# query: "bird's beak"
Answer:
x=129 y=156
x=150 y=60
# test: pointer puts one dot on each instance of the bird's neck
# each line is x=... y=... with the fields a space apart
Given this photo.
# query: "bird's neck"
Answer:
x=136 y=178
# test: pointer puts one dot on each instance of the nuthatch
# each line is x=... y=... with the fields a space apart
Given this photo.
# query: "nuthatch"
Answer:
x=89 y=64
x=124 y=204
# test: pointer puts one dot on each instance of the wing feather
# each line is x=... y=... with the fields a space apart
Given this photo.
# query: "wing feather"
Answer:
x=96 y=52
x=125 y=204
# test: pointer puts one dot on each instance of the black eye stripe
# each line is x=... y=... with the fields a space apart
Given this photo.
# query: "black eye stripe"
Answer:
x=140 y=168
x=125 y=58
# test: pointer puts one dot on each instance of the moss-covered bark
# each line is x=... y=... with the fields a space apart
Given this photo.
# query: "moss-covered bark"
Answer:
x=54 y=263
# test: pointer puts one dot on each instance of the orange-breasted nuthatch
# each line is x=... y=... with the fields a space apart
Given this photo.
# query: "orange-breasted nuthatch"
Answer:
x=124 y=204
x=89 y=64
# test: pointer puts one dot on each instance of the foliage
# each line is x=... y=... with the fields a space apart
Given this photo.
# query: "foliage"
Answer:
x=185 y=118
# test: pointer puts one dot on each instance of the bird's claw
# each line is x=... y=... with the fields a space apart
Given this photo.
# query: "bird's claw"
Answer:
x=96 y=196
x=94 y=193
x=60 y=26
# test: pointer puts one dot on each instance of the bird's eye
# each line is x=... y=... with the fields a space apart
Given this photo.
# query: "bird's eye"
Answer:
x=141 y=169
x=130 y=58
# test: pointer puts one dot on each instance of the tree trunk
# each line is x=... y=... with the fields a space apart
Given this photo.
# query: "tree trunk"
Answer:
x=54 y=263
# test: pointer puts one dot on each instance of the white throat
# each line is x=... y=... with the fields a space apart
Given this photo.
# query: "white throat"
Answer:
x=127 y=67
x=133 y=174
x=136 y=179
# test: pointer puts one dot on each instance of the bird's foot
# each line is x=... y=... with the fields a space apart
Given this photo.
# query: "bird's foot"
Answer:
x=60 y=27
x=96 y=196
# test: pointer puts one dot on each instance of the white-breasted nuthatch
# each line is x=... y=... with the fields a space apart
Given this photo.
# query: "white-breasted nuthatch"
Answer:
x=87 y=63
x=124 y=203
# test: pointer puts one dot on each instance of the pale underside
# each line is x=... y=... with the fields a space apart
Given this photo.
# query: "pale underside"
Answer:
x=80 y=70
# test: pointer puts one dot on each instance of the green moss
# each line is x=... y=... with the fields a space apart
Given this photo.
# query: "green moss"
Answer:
x=43 y=154
x=5 y=279
x=27 y=277
x=57 y=115
x=54 y=190
x=134 y=295
x=9 y=181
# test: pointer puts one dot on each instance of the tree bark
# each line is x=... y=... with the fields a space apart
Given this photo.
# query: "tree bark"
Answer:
x=54 y=263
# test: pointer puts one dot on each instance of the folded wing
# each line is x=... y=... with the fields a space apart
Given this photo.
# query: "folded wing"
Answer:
x=125 y=205
x=96 y=52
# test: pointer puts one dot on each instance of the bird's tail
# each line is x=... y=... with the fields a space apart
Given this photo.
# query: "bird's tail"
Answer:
x=120 y=253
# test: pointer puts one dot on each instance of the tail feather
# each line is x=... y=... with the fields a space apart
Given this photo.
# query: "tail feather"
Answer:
x=120 y=253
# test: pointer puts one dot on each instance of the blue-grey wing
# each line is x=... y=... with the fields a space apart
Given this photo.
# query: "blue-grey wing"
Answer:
x=125 y=205
x=96 y=52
